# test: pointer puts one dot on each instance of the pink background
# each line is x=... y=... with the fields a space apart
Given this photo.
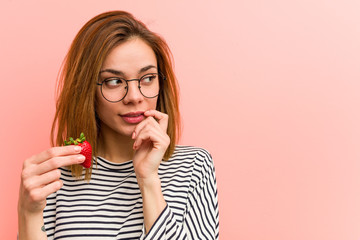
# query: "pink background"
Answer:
x=270 y=88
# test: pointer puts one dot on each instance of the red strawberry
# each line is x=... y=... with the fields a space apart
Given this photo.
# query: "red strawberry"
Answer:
x=86 y=149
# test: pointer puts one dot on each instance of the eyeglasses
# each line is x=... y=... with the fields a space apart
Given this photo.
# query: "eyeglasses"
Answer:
x=115 y=89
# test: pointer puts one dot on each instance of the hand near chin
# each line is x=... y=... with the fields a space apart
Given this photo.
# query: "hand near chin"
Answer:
x=151 y=143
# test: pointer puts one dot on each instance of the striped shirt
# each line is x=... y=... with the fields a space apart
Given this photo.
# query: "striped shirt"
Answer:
x=110 y=205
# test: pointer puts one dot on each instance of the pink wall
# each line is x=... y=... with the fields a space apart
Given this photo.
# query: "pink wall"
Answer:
x=270 y=88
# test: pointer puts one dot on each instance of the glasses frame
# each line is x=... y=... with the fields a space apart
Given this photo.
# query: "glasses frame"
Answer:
x=160 y=76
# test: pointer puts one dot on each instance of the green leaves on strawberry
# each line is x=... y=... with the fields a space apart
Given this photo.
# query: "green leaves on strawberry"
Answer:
x=86 y=149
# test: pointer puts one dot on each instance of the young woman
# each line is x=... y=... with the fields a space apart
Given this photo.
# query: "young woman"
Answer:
x=118 y=87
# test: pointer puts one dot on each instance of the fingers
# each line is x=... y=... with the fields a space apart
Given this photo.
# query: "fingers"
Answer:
x=55 y=152
x=40 y=194
x=149 y=130
x=152 y=130
x=162 y=118
x=151 y=116
x=158 y=140
x=34 y=189
x=57 y=162
x=40 y=175
x=39 y=181
x=148 y=121
x=51 y=159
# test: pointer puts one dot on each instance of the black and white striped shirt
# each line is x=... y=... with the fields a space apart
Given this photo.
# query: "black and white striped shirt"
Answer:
x=110 y=205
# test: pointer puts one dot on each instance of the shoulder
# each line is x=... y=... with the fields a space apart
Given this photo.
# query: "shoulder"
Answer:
x=190 y=150
x=198 y=157
x=198 y=165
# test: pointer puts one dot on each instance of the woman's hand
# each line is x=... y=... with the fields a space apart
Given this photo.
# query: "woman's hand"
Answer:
x=151 y=143
x=40 y=176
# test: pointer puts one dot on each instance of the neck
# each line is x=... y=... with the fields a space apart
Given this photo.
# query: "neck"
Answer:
x=115 y=147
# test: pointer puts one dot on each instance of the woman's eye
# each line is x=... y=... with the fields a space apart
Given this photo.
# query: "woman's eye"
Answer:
x=148 y=79
x=116 y=82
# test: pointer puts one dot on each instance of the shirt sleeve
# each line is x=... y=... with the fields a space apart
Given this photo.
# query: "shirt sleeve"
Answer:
x=201 y=217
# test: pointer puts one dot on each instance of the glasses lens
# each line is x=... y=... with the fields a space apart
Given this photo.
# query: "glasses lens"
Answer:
x=149 y=85
x=114 y=89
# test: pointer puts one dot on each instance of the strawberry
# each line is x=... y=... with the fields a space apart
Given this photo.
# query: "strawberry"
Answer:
x=86 y=149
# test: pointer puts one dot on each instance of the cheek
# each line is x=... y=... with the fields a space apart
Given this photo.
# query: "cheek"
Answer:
x=153 y=104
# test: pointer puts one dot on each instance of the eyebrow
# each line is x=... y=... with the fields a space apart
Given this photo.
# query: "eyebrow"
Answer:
x=118 y=72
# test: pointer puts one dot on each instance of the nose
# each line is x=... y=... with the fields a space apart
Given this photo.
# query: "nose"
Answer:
x=133 y=94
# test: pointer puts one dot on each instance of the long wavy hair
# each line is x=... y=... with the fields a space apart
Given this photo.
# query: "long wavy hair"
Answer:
x=76 y=86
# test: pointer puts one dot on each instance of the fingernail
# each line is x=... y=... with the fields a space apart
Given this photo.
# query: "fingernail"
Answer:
x=133 y=135
x=77 y=148
x=81 y=158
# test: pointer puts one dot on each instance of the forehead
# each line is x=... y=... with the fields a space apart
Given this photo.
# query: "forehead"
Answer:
x=130 y=56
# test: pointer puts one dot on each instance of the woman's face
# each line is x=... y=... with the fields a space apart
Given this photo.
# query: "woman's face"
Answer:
x=130 y=60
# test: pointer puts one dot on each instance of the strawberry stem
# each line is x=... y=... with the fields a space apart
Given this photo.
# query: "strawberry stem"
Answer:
x=81 y=139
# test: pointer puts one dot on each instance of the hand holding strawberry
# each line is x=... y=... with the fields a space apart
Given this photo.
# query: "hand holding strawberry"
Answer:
x=86 y=149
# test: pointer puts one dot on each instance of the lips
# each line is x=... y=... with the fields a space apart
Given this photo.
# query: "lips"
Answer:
x=133 y=117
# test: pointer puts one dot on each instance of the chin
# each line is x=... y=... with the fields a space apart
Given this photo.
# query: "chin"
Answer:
x=126 y=131
x=117 y=129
